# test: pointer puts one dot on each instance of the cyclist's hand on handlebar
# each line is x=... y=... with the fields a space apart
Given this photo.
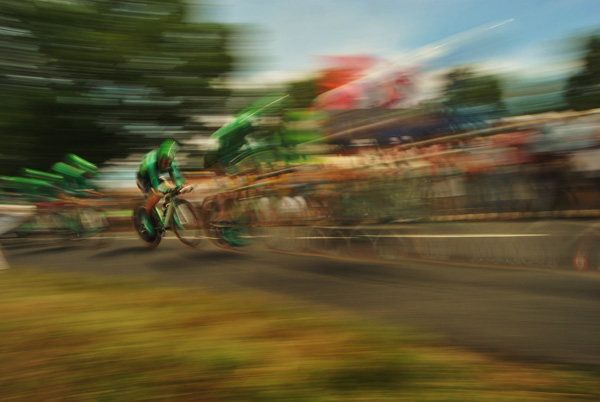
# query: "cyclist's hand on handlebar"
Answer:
x=172 y=189
x=185 y=189
x=167 y=187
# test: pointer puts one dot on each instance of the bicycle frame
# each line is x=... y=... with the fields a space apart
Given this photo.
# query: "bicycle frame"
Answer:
x=171 y=214
x=165 y=216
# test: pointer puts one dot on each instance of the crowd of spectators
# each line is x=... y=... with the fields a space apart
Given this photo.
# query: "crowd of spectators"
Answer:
x=527 y=170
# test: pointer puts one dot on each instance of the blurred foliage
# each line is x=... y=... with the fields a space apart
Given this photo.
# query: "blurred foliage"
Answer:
x=466 y=88
x=97 y=77
x=302 y=93
x=583 y=89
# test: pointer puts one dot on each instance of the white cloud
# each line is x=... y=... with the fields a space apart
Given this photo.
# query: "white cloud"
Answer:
x=268 y=79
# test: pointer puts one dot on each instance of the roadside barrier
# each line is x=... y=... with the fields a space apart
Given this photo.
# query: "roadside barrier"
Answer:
x=543 y=244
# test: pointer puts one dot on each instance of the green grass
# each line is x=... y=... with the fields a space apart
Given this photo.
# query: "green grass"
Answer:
x=76 y=338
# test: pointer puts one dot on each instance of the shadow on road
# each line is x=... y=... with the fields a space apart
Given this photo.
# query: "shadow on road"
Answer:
x=46 y=250
x=212 y=255
x=346 y=269
x=120 y=252
x=194 y=260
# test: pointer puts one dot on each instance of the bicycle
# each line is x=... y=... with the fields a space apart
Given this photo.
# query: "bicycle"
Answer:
x=176 y=214
x=86 y=220
x=64 y=223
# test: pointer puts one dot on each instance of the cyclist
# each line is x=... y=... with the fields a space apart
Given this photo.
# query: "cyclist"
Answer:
x=151 y=176
x=76 y=182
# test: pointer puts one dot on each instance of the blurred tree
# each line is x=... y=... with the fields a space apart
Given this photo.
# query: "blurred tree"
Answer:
x=582 y=91
x=472 y=99
x=465 y=88
x=97 y=78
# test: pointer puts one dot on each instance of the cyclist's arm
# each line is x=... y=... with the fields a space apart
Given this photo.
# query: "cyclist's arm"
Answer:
x=155 y=178
x=176 y=175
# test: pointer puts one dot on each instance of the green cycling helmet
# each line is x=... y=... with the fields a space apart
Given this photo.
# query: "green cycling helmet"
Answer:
x=167 y=151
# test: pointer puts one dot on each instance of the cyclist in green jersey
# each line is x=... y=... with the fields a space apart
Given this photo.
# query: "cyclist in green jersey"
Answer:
x=152 y=175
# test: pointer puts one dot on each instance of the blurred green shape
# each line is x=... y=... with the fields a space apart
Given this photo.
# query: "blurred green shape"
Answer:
x=232 y=136
x=21 y=182
x=80 y=163
x=242 y=123
x=67 y=171
x=36 y=174
x=247 y=141
x=29 y=188
x=301 y=126
x=75 y=181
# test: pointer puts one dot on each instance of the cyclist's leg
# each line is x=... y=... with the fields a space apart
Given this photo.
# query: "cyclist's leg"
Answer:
x=152 y=199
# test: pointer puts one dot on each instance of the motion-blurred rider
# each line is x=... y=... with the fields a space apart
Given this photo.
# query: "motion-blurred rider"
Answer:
x=151 y=176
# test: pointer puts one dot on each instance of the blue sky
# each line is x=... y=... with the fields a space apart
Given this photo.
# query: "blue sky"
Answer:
x=298 y=30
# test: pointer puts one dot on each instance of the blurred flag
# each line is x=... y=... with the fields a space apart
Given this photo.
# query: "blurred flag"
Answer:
x=363 y=82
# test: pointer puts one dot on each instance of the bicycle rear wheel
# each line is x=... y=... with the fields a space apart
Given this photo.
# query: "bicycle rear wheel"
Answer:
x=94 y=226
x=186 y=224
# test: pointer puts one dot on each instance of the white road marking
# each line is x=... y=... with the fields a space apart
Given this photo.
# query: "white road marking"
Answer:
x=467 y=235
x=442 y=236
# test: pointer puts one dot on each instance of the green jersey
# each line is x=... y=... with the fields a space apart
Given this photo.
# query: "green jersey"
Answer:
x=75 y=181
x=149 y=170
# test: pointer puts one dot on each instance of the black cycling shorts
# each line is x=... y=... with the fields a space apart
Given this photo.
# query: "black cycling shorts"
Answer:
x=143 y=183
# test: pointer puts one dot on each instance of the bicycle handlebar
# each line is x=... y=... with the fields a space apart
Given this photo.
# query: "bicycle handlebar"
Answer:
x=179 y=190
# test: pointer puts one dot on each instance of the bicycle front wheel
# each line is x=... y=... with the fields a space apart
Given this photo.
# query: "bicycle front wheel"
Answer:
x=151 y=240
x=186 y=224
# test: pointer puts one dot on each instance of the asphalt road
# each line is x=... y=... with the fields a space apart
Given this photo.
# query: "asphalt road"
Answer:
x=524 y=313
